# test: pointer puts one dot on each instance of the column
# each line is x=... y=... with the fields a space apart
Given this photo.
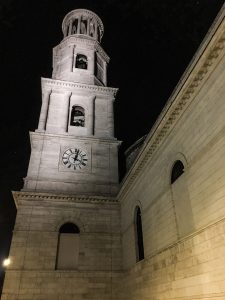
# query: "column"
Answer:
x=44 y=110
x=78 y=25
x=70 y=27
x=53 y=113
x=91 y=63
x=111 y=117
x=105 y=73
x=96 y=30
x=88 y=26
x=58 y=112
x=90 y=117
x=65 y=111
x=71 y=60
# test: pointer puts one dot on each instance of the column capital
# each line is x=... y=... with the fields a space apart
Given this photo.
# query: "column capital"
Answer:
x=92 y=98
x=68 y=94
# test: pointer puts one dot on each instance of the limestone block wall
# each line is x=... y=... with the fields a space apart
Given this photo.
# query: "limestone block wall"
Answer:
x=183 y=222
x=190 y=269
x=47 y=172
x=59 y=285
x=33 y=274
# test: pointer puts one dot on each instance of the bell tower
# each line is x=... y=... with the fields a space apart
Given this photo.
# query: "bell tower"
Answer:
x=66 y=241
x=74 y=149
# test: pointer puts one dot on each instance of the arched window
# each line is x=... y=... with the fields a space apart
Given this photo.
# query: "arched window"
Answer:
x=77 y=117
x=177 y=171
x=68 y=247
x=81 y=61
x=139 y=235
x=69 y=228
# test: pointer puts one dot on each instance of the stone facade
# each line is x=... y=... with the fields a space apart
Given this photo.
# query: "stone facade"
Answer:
x=33 y=273
x=182 y=220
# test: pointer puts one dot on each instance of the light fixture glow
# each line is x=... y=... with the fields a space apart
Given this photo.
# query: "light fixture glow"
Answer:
x=6 y=262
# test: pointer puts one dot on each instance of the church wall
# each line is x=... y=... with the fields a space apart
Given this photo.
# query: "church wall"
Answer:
x=48 y=285
x=172 y=215
x=34 y=251
x=190 y=269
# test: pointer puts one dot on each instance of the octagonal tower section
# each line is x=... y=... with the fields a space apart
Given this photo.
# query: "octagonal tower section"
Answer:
x=79 y=57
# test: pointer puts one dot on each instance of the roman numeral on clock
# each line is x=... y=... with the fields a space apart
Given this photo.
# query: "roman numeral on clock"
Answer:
x=65 y=161
x=74 y=159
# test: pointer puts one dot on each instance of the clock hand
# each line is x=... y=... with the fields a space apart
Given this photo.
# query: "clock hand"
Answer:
x=75 y=158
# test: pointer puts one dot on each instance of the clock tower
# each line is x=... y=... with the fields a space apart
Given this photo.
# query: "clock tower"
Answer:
x=74 y=149
x=66 y=241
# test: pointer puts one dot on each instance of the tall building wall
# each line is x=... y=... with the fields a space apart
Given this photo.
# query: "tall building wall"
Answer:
x=182 y=222
x=192 y=268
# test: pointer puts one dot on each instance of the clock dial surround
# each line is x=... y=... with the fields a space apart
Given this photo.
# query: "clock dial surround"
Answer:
x=75 y=159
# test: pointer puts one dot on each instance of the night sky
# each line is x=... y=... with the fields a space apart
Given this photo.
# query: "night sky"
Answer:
x=150 y=43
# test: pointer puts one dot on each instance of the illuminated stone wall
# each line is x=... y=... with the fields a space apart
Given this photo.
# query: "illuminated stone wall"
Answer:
x=33 y=273
x=189 y=269
x=183 y=223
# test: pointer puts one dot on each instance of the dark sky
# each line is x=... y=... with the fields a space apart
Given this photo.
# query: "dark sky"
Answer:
x=150 y=43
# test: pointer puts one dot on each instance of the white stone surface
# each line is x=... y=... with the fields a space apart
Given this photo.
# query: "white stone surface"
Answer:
x=183 y=222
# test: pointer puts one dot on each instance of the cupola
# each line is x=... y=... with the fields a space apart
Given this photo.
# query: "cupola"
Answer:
x=79 y=57
x=82 y=22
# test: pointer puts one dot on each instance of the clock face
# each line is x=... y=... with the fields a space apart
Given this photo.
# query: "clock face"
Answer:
x=74 y=158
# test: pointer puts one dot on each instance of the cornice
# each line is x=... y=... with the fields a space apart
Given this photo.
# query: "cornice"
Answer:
x=61 y=198
x=99 y=140
x=51 y=83
x=202 y=65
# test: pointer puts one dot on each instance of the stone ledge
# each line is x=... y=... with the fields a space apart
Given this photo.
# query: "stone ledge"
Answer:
x=35 y=196
x=79 y=86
